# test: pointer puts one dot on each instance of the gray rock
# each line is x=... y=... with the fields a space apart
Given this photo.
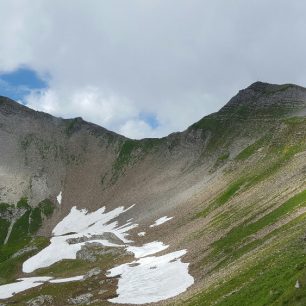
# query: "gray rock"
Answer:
x=102 y=291
x=25 y=250
x=105 y=236
x=92 y=272
x=41 y=300
x=81 y=299
x=91 y=252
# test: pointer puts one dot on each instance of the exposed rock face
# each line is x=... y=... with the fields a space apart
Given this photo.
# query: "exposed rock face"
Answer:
x=263 y=100
x=92 y=272
x=42 y=155
x=41 y=300
x=91 y=251
x=81 y=299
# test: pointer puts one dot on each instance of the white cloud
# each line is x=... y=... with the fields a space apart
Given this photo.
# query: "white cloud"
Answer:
x=110 y=61
x=90 y=102
x=138 y=129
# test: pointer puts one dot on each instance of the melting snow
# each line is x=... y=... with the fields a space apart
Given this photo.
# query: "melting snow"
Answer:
x=68 y=279
x=161 y=221
x=81 y=224
x=8 y=290
x=147 y=249
x=147 y=279
x=59 y=198
x=152 y=279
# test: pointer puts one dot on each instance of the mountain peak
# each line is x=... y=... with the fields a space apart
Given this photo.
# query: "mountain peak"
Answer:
x=266 y=100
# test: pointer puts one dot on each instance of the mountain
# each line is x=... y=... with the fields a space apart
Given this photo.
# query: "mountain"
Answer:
x=220 y=208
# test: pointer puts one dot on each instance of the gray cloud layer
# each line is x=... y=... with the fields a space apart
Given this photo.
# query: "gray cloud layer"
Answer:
x=112 y=61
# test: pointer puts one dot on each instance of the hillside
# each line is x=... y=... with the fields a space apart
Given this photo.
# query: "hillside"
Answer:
x=231 y=189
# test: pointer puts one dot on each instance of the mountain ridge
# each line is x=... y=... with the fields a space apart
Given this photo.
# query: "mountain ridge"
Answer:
x=244 y=96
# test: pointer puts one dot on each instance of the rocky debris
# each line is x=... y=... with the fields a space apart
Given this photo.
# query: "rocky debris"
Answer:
x=91 y=252
x=12 y=213
x=92 y=272
x=41 y=300
x=82 y=299
x=110 y=237
x=25 y=250
x=102 y=291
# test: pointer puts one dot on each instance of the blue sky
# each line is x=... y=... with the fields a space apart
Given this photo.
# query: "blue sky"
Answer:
x=19 y=83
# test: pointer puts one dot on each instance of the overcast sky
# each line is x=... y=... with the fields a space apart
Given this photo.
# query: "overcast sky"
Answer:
x=146 y=68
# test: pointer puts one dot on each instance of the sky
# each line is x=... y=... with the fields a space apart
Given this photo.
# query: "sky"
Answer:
x=146 y=68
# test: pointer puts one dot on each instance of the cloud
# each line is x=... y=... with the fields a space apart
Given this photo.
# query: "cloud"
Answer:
x=111 y=61
x=108 y=110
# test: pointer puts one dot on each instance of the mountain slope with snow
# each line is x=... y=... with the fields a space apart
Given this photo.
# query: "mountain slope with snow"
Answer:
x=218 y=210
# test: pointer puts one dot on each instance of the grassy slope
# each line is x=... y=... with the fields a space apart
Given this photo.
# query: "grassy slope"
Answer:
x=258 y=269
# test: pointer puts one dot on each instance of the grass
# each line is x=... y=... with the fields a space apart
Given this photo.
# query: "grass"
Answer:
x=29 y=223
x=237 y=241
x=222 y=199
x=46 y=207
x=4 y=225
x=251 y=149
x=276 y=158
x=10 y=266
x=268 y=279
x=20 y=228
x=35 y=220
x=130 y=151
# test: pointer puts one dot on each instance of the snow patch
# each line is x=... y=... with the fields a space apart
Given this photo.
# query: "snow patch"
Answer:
x=141 y=234
x=152 y=279
x=161 y=221
x=8 y=290
x=59 y=198
x=147 y=249
x=66 y=280
x=144 y=280
x=81 y=224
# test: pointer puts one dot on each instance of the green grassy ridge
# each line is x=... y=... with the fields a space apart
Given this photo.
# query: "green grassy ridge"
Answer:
x=251 y=245
x=10 y=266
x=221 y=199
x=237 y=241
x=265 y=168
x=251 y=149
x=270 y=279
x=26 y=225
x=4 y=226
x=239 y=233
x=128 y=147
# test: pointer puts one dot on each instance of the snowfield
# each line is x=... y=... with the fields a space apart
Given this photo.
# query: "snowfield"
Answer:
x=152 y=279
x=147 y=249
x=66 y=280
x=8 y=290
x=147 y=279
x=161 y=221
x=59 y=198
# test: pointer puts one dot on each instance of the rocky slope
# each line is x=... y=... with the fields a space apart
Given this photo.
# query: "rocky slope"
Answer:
x=234 y=183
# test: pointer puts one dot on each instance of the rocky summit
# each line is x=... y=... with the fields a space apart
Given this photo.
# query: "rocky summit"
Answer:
x=213 y=215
